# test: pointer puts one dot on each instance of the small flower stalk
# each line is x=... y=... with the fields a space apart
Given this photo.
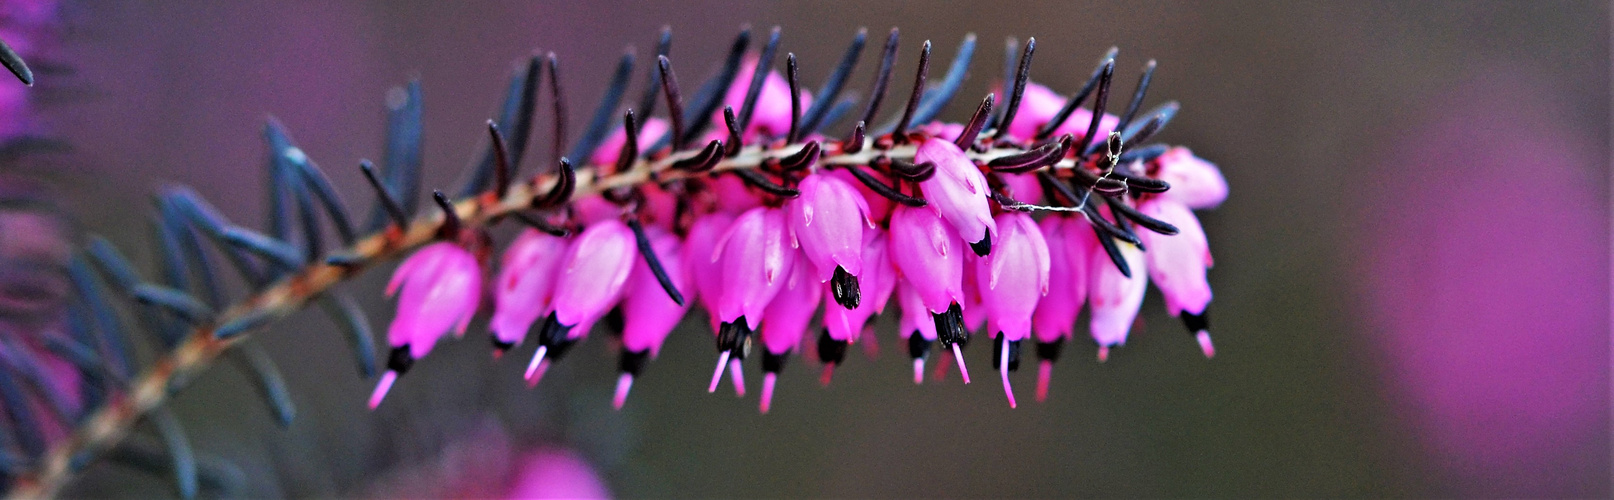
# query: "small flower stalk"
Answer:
x=776 y=211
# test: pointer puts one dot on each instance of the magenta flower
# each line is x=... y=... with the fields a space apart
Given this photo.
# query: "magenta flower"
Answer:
x=958 y=193
x=700 y=256
x=556 y=473
x=1177 y=265
x=1114 y=297
x=1071 y=244
x=931 y=259
x=592 y=276
x=524 y=289
x=1039 y=105
x=441 y=287
x=879 y=206
x=756 y=260
x=1194 y=181
x=828 y=220
x=787 y=317
x=1011 y=281
x=648 y=314
x=843 y=326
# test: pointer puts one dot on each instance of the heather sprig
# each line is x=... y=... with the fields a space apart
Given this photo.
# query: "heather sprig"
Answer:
x=735 y=199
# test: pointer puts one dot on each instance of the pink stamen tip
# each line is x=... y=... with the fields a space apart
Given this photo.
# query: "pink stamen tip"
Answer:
x=1003 y=368
x=963 y=371
x=1045 y=372
x=624 y=383
x=717 y=376
x=918 y=371
x=381 y=389
x=737 y=375
x=497 y=354
x=1103 y=353
x=767 y=391
x=538 y=376
x=827 y=375
x=1205 y=343
x=532 y=367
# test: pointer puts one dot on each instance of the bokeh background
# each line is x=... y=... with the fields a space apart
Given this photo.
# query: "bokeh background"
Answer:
x=1412 y=272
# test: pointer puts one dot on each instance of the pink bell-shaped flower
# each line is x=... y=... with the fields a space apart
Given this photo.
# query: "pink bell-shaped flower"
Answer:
x=915 y=326
x=1195 y=182
x=958 y=193
x=1070 y=246
x=788 y=315
x=1115 y=298
x=700 y=258
x=648 y=313
x=828 y=221
x=1012 y=280
x=931 y=259
x=756 y=260
x=1177 y=265
x=524 y=290
x=842 y=325
x=441 y=286
x=592 y=276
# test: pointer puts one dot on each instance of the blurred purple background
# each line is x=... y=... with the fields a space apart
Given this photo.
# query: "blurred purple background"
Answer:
x=1412 y=281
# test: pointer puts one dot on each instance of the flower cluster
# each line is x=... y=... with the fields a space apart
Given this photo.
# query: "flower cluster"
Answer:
x=1007 y=224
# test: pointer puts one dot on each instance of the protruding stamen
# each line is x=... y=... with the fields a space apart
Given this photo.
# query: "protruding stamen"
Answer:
x=1205 y=345
x=1003 y=368
x=918 y=91
x=737 y=376
x=1103 y=353
x=717 y=375
x=1045 y=373
x=624 y=383
x=918 y=371
x=768 y=381
x=381 y=389
x=537 y=359
x=827 y=375
x=964 y=371
x=1020 y=78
